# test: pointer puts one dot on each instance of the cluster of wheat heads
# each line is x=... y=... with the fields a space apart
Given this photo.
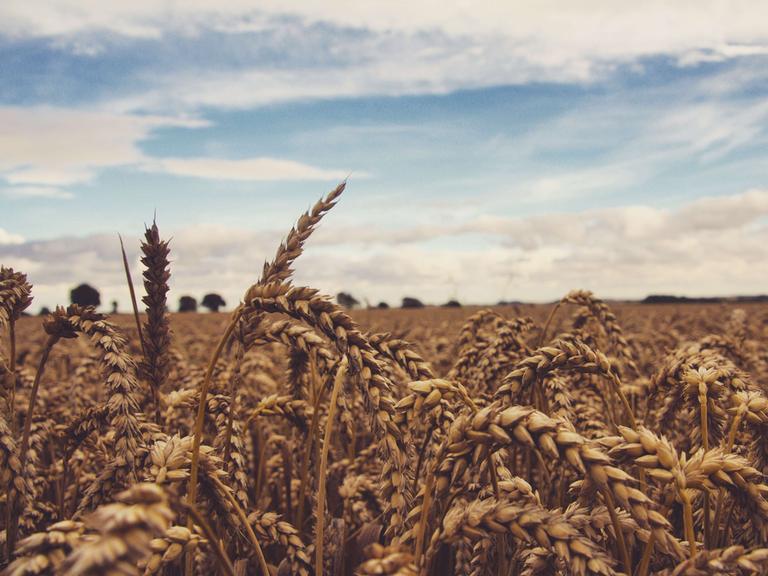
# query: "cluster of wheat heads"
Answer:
x=290 y=440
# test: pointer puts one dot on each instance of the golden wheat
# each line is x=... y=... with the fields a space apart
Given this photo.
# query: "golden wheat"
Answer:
x=313 y=440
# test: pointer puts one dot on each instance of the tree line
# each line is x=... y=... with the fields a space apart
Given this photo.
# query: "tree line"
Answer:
x=346 y=300
x=87 y=295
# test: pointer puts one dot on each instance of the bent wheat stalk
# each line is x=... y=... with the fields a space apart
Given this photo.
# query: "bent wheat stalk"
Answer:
x=278 y=270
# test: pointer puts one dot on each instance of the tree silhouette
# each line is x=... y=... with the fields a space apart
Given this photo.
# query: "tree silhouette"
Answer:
x=187 y=304
x=44 y=311
x=114 y=306
x=347 y=300
x=410 y=302
x=85 y=295
x=382 y=306
x=213 y=302
x=452 y=304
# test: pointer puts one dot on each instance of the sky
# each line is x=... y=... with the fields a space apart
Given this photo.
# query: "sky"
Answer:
x=494 y=151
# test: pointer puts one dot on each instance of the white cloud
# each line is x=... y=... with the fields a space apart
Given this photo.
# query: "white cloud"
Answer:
x=61 y=147
x=724 y=212
x=704 y=247
x=36 y=192
x=244 y=169
x=10 y=238
x=44 y=149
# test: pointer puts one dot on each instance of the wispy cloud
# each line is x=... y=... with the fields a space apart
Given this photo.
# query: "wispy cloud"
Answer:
x=711 y=129
x=10 y=238
x=389 y=68
x=36 y=192
x=43 y=150
x=579 y=183
x=47 y=146
x=253 y=169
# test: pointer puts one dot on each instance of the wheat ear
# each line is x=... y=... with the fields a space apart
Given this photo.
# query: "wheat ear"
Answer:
x=158 y=338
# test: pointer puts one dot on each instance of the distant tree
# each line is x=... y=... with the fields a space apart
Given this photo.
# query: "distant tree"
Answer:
x=410 y=302
x=756 y=298
x=347 y=300
x=382 y=306
x=213 y=302
x=187 y=304
x=44 y=311
x=85 y=295
x=452 y=304
x=667 y=299
x=114 y=306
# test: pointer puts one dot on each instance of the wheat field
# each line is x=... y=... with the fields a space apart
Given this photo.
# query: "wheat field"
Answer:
x=295 y=437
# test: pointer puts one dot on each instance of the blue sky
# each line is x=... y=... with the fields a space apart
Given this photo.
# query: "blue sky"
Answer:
x=494 y=152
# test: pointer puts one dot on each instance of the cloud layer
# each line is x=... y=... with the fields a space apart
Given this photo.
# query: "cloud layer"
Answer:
x=705 y=247
x=628 y=29
x=299 y=50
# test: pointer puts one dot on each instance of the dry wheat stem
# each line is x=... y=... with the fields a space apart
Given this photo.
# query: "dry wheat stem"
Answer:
x=11 y=503
x=341 y=374
x=200 y=419
x=132 y=292
x=248 y=530
x=213 y=539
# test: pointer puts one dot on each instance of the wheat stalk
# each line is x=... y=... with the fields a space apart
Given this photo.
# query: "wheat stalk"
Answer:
x=307 y=305
x=156 y=328
x=278 y=270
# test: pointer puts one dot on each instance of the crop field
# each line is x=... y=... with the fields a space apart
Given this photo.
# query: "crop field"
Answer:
x=294 y=436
